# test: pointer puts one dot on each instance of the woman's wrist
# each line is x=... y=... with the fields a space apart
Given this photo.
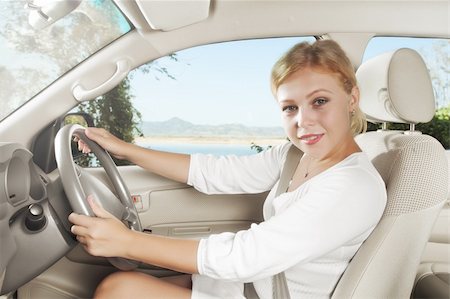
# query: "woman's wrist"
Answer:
x=128 y=150
x=127 y=244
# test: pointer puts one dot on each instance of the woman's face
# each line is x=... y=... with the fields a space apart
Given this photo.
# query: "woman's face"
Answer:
x=316 y=113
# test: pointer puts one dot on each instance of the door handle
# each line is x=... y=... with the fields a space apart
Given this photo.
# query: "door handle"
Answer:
x=195 y=230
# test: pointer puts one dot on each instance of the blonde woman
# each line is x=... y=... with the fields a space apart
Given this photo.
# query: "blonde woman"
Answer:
x=310 y=232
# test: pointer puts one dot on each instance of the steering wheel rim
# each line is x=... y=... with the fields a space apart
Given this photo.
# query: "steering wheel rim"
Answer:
x=74 y=189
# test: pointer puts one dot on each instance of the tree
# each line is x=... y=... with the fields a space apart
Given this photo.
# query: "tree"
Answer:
x=258 y=148
x=53 y=50
x=114 y=112
x=438 y=61
x=438 y=127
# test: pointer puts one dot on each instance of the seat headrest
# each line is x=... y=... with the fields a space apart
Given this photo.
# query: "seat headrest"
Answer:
x=396 y=87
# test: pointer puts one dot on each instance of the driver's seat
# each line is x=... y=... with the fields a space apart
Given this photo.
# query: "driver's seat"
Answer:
x=396 y=87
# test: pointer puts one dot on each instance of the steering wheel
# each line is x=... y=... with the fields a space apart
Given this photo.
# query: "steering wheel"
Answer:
x=77 y=183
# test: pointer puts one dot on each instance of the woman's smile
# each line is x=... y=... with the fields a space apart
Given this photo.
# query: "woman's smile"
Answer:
x=311 y=139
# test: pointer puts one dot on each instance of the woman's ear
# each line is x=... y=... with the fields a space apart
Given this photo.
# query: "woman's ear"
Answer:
x=354 y=98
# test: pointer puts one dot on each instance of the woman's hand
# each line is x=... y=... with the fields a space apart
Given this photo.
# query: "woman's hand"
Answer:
x=170 y=165
x=106 y=236
x=105 y=139
x=103 y=235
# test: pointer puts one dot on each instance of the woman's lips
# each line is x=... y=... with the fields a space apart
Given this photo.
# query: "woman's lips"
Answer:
x=311 y=139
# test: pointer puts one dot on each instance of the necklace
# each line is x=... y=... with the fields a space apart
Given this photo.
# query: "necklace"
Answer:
x=308 y=170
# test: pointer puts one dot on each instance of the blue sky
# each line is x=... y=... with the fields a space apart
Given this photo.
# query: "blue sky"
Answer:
x=215 y=84
x=228 y=82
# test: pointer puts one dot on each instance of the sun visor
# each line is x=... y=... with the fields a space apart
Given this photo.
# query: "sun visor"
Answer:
x=170 y=15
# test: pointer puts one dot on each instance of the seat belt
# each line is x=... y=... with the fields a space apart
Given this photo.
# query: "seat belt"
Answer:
x=279 y=284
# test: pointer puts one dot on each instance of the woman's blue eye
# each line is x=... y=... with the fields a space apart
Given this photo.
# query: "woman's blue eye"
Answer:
x=289 y=108
x=320 y=101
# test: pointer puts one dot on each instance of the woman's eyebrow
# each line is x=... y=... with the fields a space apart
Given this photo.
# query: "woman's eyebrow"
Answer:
x=307 y=96
x=318 y=90
x=286 y=101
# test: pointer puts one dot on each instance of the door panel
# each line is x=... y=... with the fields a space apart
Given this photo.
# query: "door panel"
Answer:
x=188 y=205
x=165 y=208
x=165 y=202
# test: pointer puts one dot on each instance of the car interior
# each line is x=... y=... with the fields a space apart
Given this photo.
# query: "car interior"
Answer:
x=406 y=256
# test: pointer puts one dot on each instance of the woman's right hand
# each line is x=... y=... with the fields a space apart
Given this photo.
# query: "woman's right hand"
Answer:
x=170 y=165
x=105 y=139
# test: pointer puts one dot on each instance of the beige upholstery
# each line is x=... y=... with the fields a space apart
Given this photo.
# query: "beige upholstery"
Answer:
x=414 y=168
x=433 y=281
x=396 y=87
x=433 y=274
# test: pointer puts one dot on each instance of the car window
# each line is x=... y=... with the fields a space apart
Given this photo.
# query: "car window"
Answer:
x=216 y=100
x=213 y=99
x=436 y=54
x=33 y=57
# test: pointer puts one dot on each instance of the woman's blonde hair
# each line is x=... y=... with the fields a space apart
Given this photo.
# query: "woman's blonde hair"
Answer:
x=325 y=55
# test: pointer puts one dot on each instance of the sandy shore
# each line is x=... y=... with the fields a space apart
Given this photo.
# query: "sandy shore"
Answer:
x=210 y=140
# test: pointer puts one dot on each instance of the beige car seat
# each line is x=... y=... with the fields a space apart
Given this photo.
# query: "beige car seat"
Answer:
x=396 y=87
x=433 y=275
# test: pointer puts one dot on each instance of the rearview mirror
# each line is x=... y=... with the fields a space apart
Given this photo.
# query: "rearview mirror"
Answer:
x=79 y=118
x=43 y=13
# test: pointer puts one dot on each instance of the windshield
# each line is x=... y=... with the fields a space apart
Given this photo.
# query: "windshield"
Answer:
x=31 y=59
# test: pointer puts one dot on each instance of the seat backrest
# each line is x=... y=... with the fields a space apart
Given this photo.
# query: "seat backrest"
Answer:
x=396 y=87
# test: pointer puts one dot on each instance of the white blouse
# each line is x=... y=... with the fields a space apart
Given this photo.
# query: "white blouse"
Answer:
x=310 y=233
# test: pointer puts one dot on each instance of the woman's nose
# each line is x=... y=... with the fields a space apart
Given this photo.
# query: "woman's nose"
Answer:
x=304 y=118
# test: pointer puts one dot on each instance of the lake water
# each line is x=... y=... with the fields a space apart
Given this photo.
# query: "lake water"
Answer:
x=215 y=149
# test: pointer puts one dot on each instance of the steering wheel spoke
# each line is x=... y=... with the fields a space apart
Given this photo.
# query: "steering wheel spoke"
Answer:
x=103 y=194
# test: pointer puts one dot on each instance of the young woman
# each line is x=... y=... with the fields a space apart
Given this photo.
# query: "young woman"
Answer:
x=335 y=198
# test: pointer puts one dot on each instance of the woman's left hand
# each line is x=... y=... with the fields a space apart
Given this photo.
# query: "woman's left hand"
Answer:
x=103 y=235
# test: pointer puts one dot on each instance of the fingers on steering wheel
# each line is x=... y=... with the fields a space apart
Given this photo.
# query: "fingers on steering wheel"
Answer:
x=83 y=147
x=78 y=230
x=81 y=239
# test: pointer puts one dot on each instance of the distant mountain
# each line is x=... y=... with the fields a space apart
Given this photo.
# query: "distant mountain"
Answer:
x=178 y=127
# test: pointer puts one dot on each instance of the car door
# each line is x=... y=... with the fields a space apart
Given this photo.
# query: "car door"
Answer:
x=181 y=115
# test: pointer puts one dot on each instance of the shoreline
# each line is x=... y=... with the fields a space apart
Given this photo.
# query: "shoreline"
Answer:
x=210 y=140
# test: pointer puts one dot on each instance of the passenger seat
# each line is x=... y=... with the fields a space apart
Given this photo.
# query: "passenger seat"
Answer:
x=433 y=275
x=396 y=87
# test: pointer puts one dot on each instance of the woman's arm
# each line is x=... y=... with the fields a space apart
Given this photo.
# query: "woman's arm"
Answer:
x=106 y=236
x=170 y=165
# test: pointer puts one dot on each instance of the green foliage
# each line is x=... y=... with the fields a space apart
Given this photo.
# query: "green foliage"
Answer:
x=372 y=126
x=443 y=113
x=258 y=148
x=114 y=112
x=156 y=69
x=438 y=127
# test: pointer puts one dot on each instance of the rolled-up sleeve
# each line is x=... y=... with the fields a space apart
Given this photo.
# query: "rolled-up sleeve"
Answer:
x=237 y=174
x=321 y=219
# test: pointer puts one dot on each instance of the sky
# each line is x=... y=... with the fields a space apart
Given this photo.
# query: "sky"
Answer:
x=228 y=82
x=215 y=84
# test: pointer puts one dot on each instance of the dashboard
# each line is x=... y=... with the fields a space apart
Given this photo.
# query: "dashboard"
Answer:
x=34 y=230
